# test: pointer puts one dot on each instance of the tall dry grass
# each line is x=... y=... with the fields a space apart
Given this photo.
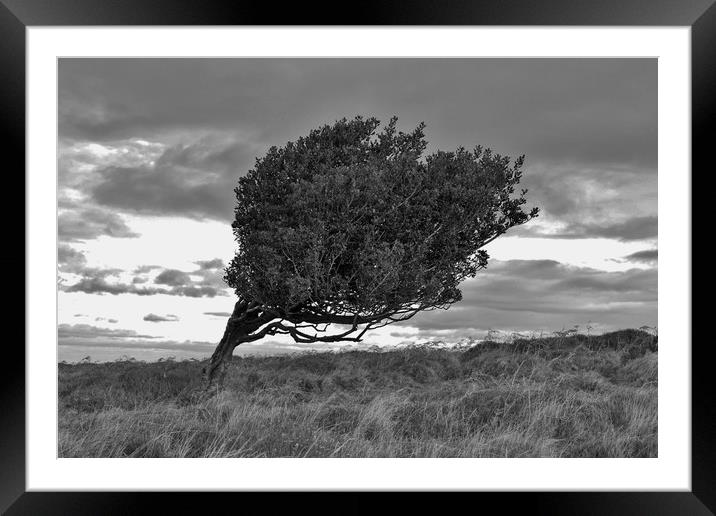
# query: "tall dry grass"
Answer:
x=568 y=396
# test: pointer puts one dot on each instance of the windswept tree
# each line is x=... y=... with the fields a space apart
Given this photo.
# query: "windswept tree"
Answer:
x=351 y=228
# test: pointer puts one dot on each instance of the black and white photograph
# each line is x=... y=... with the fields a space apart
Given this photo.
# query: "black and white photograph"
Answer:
x=357 y=257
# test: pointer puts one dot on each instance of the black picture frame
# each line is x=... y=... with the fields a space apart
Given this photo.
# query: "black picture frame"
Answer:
x=16 y=15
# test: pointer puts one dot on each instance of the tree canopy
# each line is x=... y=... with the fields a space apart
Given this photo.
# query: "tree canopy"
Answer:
x=355 y=226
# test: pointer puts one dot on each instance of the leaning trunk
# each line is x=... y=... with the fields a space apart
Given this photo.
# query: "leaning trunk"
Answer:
x=238 y=329
x=215 y=372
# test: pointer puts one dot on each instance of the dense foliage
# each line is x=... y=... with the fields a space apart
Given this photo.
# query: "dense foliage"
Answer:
x=351 y=224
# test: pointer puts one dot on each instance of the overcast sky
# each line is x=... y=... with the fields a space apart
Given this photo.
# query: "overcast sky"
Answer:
x=150 y=150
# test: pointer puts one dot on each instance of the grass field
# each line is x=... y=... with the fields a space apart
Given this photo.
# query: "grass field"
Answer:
x=565 y=396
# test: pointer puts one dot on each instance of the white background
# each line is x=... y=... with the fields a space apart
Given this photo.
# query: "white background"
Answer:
x=671 y=470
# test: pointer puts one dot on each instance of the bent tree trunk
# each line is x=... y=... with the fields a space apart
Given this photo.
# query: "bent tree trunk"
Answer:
x=243 y=322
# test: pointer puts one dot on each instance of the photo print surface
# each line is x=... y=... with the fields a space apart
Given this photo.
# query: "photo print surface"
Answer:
x=305 y=257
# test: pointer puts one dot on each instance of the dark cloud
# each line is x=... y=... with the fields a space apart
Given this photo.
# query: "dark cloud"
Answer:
x=218 y=314
x=641 y=282
x=197 y=291
x=597 y=110
x=89 y=223
x=637 y=228
x=587 y=126
x=172 y=277
x=210 y=283
x=160 y=318
x=99 y=285
x=649 y=256
x=194 y=180
x=94 y=281
x=533 y=295
x=216 y=263
x=70 y=259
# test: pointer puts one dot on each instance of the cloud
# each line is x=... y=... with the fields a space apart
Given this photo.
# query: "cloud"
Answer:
x=79 y=161
x=581 y=201
x=596 y=110
x=70 y=259
x=99 y=285
x=159 y=318
x=194 y=180
x=164 y=345
x=94 y=281
x=649 y=256
x=111 y=321
x=87 y=336
x=636 y=228
x=218 y=314
x=143 y=269
x=198 y=291
x=89 y=223
x=210 y=283
x=216 y=263
x=172 y=277
x=86 y=331
x=638 y=281
x=588 y=127
x=533 y=295
x=211 y=277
